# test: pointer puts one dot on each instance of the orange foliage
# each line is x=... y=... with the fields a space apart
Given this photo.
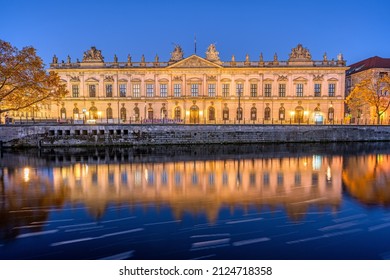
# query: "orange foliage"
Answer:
x=23 y=79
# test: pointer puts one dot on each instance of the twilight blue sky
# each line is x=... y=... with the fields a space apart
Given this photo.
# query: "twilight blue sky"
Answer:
x=358 y=29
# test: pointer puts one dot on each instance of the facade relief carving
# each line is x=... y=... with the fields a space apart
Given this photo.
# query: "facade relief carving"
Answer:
x=282 y=78
x=74 y=79
x=318 y=78
x=299 y=54
x=212 y=54
x=93 y=55
x=109 y=79
x=176 y=55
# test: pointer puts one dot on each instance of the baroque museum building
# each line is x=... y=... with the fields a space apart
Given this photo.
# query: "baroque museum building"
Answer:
x=202 y=90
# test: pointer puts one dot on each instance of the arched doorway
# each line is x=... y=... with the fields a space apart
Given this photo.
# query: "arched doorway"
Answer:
x=93 y=115
x=298 y=116
x=177 y=116
x=194 y=114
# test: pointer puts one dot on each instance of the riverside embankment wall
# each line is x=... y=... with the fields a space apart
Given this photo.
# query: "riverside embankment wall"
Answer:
x=129 y=135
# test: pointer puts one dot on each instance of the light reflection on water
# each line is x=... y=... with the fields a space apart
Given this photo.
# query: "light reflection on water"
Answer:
x=251 y=203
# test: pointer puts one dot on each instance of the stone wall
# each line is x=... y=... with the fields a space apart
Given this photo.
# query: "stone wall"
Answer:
x=129 y=135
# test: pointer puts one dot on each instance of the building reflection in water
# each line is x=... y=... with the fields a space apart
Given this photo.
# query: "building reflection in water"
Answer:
x=367 y=178
x=194 y=187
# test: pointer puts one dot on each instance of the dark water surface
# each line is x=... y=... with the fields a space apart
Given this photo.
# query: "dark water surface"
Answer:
x=328 y=201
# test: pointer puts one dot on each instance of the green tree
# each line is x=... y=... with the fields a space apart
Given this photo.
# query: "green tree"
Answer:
x=372 y=91
x=24 y=80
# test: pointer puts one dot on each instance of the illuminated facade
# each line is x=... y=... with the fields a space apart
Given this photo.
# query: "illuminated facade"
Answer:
x=372 y=67
x=202 y=90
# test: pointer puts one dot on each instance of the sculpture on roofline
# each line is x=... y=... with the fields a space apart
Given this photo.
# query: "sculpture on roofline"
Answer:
x=93 y=55
x=177 y=54
x=212 y=54
x=300 y=54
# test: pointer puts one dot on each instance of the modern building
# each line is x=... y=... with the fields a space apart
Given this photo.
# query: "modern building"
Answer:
x=202 y=90
x=371 y=67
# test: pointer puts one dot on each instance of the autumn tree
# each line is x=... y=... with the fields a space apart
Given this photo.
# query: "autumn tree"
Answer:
x=372 y=91
x=24 y=80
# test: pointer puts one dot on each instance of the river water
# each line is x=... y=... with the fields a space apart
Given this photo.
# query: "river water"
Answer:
x=312 y=201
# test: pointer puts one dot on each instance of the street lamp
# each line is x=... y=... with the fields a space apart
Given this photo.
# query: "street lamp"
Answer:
x=84 y=112
x=239 y=110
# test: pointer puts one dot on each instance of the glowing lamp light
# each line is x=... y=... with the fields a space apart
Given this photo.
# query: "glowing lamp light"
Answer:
x=26 y=174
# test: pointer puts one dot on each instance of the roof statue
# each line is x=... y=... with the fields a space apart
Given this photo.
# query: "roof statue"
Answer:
x=93 y=55
x=300 y=54
x=55 y=59
x=212 y=54
x=177 y=54
x=247 y=61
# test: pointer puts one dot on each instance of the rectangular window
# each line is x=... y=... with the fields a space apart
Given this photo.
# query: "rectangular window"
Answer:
x=122 y=90
x=194 y=90
x=225 y=90
x=177 y=90
x=211 y=90
x=317 y=90
x=109 y=90
x=299 y=90
x=240 y=89
x=253 y=90
x=282 y=90
x=332 y=89
x=92 y=90
x=267 y=90
x=75 y=90
x=149 y=90
x=163 y=90
x=136 y=90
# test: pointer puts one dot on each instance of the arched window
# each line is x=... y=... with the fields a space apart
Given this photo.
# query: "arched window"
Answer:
x=194 y=114
x=253 y=113
x=225 y=114
x=331 y=114
x=93 y=115
x=177 y=113
x=267 y=113
x=75 y=111
x=136 y=113
x=298 y=116
x=63 y=113
x=123 y=114
x=282 y=113
x=109 y=113
x=150 y=114
x=211 y=113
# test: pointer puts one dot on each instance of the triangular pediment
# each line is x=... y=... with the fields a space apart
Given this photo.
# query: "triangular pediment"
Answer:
x=92 y=80
x=194 y=61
